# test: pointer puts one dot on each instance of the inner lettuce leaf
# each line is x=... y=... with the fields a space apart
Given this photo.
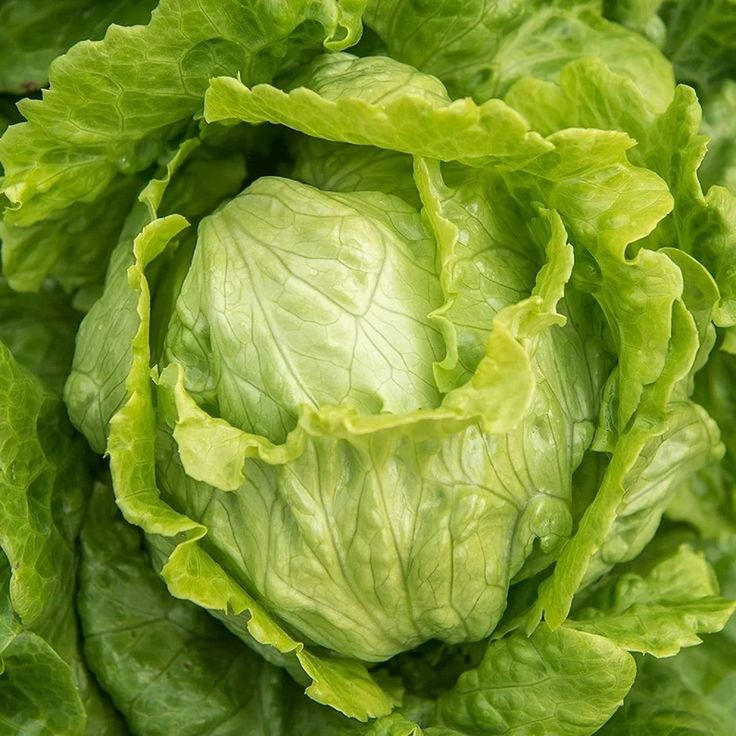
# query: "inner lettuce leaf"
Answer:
x=359 y=266
x=337 y=167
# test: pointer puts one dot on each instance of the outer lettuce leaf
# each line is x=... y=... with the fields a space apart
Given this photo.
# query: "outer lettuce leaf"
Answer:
x=38 y=693
x=73 y=249
x=43 y=464
x=142 y=85
x=160 y=657
x=700 y=40
x=659 y=604
x=719 y=112
x=670 y=144
x=564 y=682
x=684 y=443
x=33 y=34
x=378 y=101
x=662 y=611
x=40 y=331
x=589 y=94
x=45 y=688
x=181 y=38
x=94 y=389
x=691 y=693
x=480 y=49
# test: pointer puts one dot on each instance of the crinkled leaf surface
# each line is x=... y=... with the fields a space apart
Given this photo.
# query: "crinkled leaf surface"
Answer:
x=45 y=687
x=563 y=681
x=691 y=693
x=141 y=86
x=479 y=48
x=662 y=611
x=380 y=102
x=700 y=40
x=38 y=694
x=40 y=331
x=669 y=143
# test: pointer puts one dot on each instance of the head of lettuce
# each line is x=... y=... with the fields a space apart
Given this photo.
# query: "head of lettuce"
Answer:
x=388 y=374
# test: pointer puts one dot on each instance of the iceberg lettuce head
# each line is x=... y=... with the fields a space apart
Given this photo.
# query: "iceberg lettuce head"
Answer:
x=408 y=332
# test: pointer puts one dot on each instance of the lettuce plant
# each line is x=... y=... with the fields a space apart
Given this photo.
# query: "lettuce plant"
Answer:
x=405 y=333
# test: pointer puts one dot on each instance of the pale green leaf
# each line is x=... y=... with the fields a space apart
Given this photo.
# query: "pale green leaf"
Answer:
x=662 y=611
x=336 y=167
x=377 y=101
